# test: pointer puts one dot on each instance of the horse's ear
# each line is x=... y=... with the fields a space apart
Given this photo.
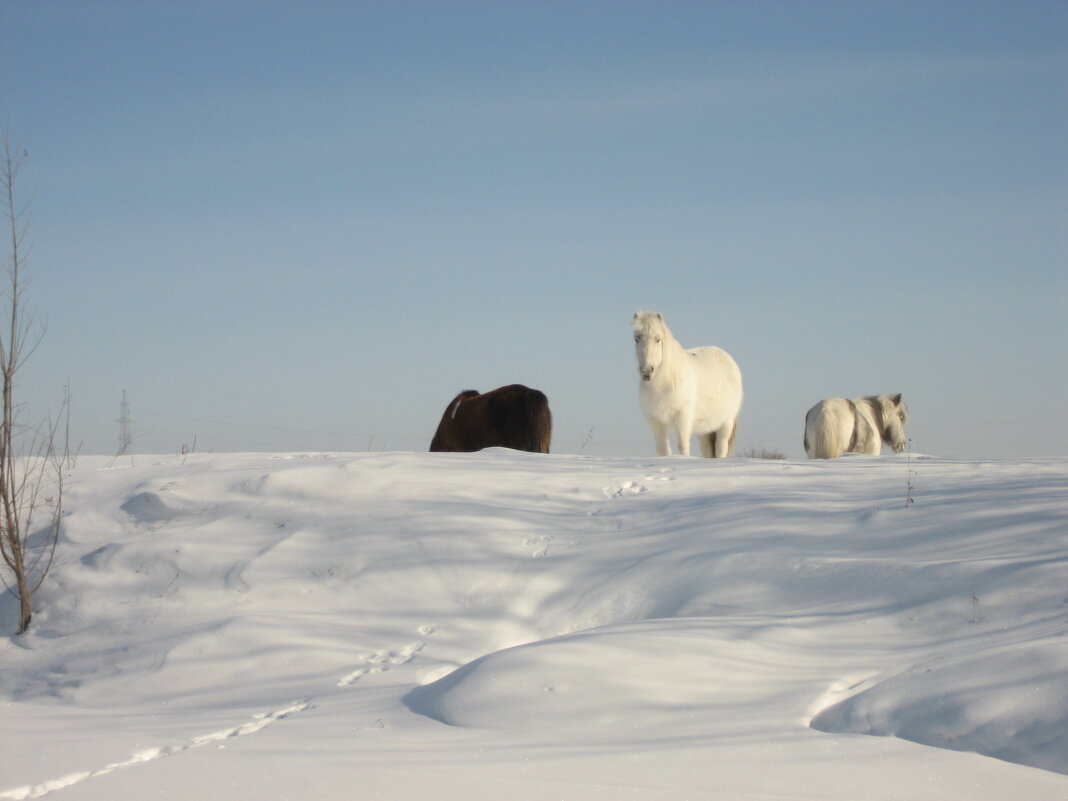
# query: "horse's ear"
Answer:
x=635 y=317
x=660 y=317
x=897 y=399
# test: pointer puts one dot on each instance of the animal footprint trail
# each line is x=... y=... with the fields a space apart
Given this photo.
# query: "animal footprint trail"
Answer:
x=382 y=661
x=376 y=662
x=257 y=723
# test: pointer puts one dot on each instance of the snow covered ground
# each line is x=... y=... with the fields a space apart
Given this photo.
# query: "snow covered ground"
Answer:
x=506 y=625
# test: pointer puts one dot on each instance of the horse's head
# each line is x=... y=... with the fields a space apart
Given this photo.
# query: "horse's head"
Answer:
x=895 y=415
x=649 y=335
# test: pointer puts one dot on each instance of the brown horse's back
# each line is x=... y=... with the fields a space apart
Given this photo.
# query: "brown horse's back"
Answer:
x=514 y=416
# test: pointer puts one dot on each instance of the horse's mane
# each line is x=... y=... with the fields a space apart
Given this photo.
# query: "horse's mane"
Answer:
x=880 y=405
x=455 y=405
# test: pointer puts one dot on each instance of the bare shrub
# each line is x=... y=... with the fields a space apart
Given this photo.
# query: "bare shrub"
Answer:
x=31 y=467
x=763 y=453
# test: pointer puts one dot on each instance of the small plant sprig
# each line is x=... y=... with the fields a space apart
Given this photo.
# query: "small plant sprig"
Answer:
x=908 y=485
x=586 y=440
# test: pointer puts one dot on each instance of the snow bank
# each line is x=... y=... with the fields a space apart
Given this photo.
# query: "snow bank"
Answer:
x=508 y=624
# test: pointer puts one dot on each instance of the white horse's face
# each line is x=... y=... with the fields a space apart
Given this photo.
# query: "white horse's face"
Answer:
x=649 y=347
x=895 y=416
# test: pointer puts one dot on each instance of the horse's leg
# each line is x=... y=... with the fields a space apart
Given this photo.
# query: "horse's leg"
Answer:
x=708 y=444
x=683 y=432
x=660 y=437
x=721 y=441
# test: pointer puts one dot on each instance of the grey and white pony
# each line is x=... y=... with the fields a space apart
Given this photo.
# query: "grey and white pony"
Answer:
x=837 y=425
x=692 y=392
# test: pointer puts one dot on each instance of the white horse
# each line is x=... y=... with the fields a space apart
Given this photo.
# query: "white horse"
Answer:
x=696 y=391
x=836 y=425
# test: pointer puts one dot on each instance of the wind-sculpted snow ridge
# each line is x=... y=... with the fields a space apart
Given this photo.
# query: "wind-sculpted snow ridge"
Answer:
x=504 y=624
x=957 y=702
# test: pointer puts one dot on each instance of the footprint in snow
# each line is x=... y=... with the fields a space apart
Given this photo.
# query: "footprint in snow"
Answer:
x=539 y=544
x=628 y=488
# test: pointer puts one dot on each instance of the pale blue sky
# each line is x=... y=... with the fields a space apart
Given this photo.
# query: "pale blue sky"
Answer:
x=306 y=226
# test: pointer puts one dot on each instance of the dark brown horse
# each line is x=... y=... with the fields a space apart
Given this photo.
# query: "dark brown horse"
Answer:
x=509 y=417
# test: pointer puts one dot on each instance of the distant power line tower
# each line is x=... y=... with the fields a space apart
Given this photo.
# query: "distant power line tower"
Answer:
x=125 y=433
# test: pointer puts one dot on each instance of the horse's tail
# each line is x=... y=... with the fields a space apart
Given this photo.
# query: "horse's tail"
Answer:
x=821 y=434
x=541 y=422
